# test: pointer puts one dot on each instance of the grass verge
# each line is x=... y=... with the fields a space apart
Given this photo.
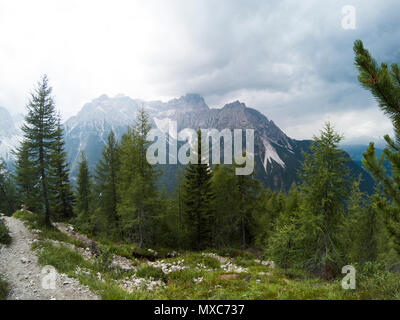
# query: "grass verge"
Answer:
x=201 y=277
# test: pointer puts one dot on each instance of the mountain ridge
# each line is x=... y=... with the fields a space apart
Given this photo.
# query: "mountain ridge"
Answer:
x=277 y=156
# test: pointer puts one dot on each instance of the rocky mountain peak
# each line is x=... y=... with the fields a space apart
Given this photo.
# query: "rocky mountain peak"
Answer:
x=189 y=102
x=237 y=105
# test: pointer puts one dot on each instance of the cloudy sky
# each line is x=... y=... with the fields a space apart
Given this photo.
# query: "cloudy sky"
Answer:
x=292 y=60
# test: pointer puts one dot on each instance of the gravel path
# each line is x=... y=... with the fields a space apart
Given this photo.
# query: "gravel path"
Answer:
x=18 y=265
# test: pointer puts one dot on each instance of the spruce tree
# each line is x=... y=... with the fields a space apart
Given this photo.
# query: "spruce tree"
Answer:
x=84 y=189
x=384 y=84
x=105 y=178
x=27 y=179
x=197 y=198
x=39 y=130
x=62 y=196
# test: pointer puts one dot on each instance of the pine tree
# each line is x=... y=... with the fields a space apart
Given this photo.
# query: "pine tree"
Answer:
x=325 y=179
x=62 y=196
x=197 y=198
x=39 y=130
x=105 y=177
x=384 y=84
x=84 y=189
x=137 y=179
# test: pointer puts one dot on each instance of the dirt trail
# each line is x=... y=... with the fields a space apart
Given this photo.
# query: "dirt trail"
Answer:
x=18 y=265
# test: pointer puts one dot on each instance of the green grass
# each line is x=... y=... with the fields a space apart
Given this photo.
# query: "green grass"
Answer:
x=206 y=282
x=4 y=234
x=3 y=289
x=36 y=222
x=150 y=272
x=260 y=283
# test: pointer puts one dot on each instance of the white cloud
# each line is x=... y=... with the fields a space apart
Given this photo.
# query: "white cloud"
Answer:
x=289 y=59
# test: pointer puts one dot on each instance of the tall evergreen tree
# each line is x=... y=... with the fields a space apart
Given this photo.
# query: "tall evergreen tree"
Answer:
x=137 y=182
x=325 y=179
x=105 y=177
x=62 y=196
x=84 y=189
x=39 y=130
x=27 y=179
x=384 y=84
x=197 y=198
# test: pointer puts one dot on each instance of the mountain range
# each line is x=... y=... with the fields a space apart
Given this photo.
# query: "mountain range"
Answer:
x=277 y=156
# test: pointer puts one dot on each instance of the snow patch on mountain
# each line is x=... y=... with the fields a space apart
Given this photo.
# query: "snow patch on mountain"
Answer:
x=271 y=155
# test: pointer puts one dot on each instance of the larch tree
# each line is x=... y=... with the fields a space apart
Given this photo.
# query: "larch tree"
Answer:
x=325 y=188
x=137 y=182
x=105 y=180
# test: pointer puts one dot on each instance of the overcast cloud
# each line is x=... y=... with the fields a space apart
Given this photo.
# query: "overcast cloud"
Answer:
x=292 y=60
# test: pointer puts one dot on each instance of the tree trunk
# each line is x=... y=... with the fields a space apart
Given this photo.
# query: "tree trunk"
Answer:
x=243 y=235
x=44 y=186
x=46 y=199
x=140 y=229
